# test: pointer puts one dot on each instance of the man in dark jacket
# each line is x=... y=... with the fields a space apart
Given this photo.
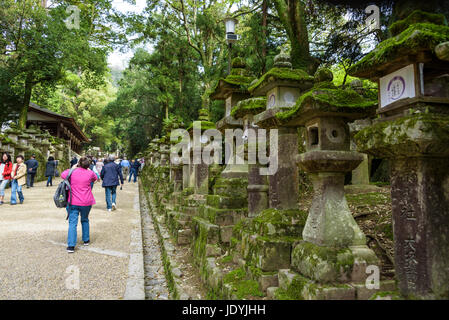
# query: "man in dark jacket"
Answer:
x=135 y=166
x=73 y=161
x=110 y=175
x=32 y=165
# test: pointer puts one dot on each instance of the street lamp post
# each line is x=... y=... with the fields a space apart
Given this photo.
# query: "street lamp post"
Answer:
x=231 y=37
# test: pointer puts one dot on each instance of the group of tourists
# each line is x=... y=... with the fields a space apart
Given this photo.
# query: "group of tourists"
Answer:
x=83 y=175
x=14 y=174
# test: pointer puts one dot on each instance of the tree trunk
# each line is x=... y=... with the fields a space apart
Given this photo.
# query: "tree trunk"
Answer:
x=26 y=101
x=264 y=33
x=291 y=13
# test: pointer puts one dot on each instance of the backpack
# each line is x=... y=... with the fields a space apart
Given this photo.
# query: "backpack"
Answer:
x=62 y=192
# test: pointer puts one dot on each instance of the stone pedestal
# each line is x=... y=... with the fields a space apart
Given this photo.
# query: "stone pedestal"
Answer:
x=176 y=177
x=284 y=184
x=419 y=177
x=201 y=178
x=327 y=171
x=420 y=203
x=257 y=191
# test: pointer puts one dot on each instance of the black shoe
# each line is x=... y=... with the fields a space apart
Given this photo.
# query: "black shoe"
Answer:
x=70 y=249
x=21 y=202
x=13 y=204
x=86 y=243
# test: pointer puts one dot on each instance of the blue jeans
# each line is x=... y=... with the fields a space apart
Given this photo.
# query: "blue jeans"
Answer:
x=3 y=186
x=131 y=173
x=111 y=192
x=50 y=181
x=16 y=188
x=83 y=211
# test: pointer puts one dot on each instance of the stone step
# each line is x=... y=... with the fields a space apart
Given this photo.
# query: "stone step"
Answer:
x=184 y=236
x=222 y=217
x=222 y=202
x=285 y=278
x=268 y=280
x=267 y=253
x=271 y=292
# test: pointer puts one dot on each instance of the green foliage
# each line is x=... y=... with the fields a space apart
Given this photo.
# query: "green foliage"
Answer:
x=39 y=48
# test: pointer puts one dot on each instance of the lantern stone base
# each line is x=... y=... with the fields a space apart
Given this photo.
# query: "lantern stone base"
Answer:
x=267 y=240
x=330 y=223
x=331 y=265
x=293 y=286
x=418 y=155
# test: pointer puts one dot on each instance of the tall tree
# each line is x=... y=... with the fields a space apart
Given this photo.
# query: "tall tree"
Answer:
x=38 y=45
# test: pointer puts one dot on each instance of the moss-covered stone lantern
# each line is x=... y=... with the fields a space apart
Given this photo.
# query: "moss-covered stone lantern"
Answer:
x=282 y=86
x=325 y=111
x=413 y=133
x=257 y=183
x=233 y=89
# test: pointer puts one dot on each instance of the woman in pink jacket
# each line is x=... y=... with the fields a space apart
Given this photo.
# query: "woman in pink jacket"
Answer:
x=81 y=201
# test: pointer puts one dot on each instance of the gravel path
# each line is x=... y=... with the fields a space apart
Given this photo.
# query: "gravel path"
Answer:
x=34 y=263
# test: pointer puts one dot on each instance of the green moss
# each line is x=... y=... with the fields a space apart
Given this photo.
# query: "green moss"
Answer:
x=249 y=106
x=391 y=138
x=205 y=125
x=326 y=97
x=416 y=38
x=281 y=74
x=242 y=287
x=417 y=16
x=395 y=295
x=296 y=289
x=227 y=259
x=238 y=62
x=369 y=199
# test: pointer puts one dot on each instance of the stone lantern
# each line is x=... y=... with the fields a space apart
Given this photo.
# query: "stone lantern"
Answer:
x=331 y=236
x=282 y=86
x=257 y=183
x=413 y=133
x=233 y=89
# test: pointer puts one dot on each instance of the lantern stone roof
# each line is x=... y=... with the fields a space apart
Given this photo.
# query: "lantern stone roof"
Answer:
x=237 y=81
x=411 y=43
x=281 y=74
x=278 y=76
x=249 y=106
x=325 y=99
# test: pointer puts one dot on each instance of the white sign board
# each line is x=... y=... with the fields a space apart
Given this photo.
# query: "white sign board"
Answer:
x=397 y=85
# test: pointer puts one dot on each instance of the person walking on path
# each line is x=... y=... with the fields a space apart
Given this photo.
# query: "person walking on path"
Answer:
x=19 y=171
x=135 y=166
x=32 y=165
x=110 y=175
x=99 y=165
x=73 y=162
x=81 y=201
x=5 y=174
x=125 y=168
x=93 y=168
x=50 y=170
